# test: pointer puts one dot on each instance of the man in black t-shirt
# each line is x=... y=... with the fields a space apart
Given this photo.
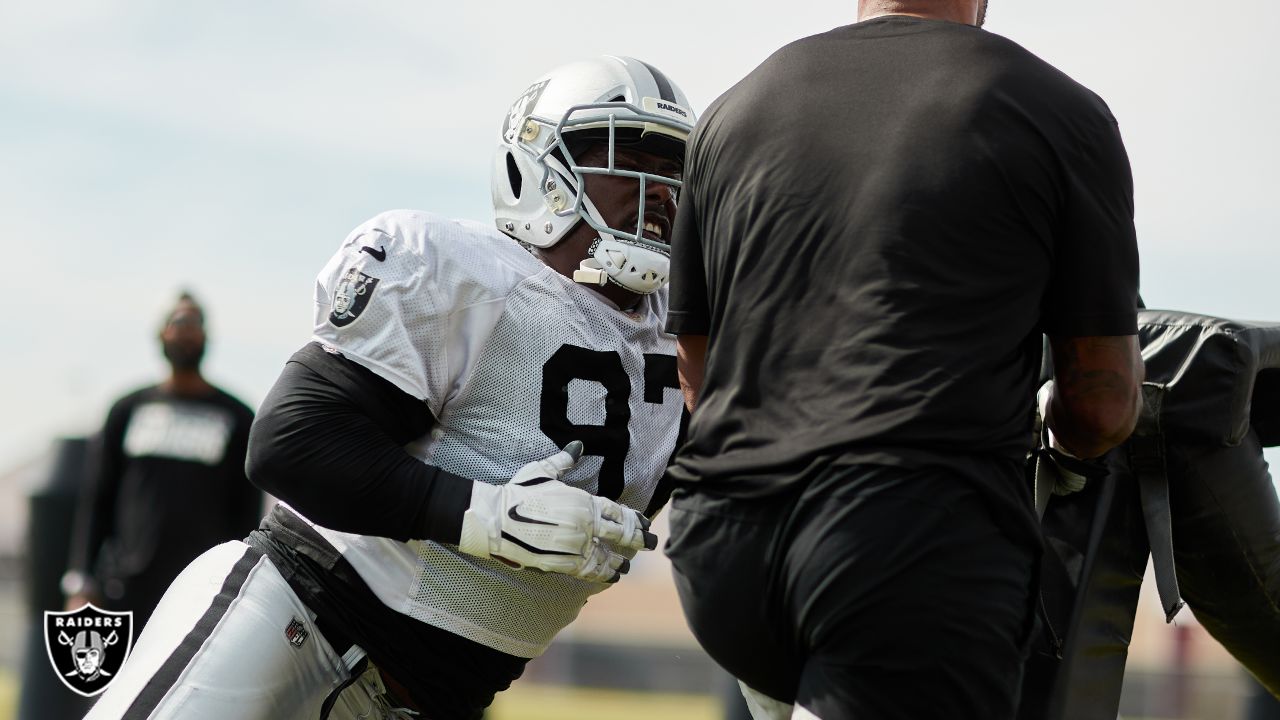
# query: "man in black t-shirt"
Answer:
x=877 y=226
x=167 y=481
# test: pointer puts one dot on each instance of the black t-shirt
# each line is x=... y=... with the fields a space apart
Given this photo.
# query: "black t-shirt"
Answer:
x=168 y=483
x=876 y=226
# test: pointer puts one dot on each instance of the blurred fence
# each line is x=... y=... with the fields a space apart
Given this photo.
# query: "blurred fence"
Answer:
x=13 y=623
x=1183 y=696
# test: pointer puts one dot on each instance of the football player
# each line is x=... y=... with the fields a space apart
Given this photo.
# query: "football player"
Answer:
x=433 y=535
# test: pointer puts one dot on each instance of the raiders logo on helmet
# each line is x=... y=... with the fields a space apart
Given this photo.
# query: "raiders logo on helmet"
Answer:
x=520 y=108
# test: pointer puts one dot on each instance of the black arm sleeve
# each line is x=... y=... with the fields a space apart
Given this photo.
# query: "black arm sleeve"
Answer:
x=329 y=439
x=244 y=501
x=662 y=493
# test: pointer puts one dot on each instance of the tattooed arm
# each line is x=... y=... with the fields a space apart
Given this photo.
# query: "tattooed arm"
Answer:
x=1097 y=392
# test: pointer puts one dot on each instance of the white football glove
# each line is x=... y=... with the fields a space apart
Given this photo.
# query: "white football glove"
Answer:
x=536 y=521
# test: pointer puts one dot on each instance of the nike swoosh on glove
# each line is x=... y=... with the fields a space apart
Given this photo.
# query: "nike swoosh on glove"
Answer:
x=535 y=521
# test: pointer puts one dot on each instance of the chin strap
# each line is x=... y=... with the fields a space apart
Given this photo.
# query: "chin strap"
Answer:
x=611 y=257
x=590 y=272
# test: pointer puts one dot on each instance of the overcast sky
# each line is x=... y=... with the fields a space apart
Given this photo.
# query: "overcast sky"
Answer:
x=229 y=147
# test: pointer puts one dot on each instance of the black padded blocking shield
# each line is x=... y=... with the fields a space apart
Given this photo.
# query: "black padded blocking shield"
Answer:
x=1217 y=385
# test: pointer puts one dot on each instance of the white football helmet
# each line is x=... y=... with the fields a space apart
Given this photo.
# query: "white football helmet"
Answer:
x=536 y=179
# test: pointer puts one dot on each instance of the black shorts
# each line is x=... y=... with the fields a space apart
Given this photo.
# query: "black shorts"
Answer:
x=873 y=592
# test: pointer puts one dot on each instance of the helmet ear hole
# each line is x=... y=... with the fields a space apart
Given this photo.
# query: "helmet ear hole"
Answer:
x=513 y=176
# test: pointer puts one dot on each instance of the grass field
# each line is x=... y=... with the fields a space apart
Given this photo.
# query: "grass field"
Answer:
x=544 y=702
x=536 y=702
x=533 y=702
x=8 y=696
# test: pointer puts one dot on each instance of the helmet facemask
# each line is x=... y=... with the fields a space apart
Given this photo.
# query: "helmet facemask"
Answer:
x=622 y=255
x=540 y=170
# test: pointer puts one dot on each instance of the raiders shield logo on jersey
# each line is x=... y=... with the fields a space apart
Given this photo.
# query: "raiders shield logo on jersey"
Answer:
x=351 y=297
x=88 y=646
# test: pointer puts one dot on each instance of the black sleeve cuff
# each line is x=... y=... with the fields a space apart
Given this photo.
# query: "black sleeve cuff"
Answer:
x=1123 y=323
x=440 y=517
x=686 y=323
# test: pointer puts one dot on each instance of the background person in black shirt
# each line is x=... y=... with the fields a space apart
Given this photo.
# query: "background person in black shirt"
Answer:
x=167 y=480
x=876 y=227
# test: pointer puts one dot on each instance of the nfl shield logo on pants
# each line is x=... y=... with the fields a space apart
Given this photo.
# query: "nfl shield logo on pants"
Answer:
x=88 y=646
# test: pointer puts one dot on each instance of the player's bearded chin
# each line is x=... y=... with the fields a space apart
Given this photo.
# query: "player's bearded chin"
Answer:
x=982 y=13
x=183 y=356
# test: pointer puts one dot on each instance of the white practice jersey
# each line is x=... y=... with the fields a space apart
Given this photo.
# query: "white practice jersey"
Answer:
x=514 y=360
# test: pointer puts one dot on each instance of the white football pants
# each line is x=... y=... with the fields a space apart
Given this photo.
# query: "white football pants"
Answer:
x=763 y=707
x=230 y=639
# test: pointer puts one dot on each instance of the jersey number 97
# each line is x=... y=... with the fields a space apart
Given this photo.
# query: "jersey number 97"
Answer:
x=611 y=440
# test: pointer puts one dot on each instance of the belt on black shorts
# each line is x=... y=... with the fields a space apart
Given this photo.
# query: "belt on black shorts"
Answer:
x=282 y=537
